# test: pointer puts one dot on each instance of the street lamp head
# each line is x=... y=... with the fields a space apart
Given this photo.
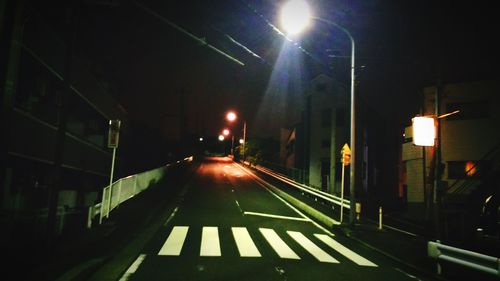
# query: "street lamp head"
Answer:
x=424 y=130
x=221 y=137
x=231 y=116
x=225 y=132
x=295 y=16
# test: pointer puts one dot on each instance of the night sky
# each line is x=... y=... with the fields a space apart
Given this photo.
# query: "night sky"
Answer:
x=401 y=47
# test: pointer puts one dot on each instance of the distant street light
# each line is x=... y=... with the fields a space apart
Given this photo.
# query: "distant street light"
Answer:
x=226 y=133
x=294 y=23
x=221 y=137
x=231 y=117
x=201 y=139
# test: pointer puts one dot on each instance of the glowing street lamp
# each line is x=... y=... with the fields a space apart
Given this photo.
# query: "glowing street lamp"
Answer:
x=424 y=131
x=231 y=116
x=225 y=132
x=291 y=21
x=221 y=137
x=295 y=16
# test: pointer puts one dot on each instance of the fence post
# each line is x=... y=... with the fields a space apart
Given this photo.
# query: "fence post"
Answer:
x=109 y=204
x=90 y=216
x=101 y=214
x=380 y=217
x=119 y=193
x=61 y=218
x=135 y=184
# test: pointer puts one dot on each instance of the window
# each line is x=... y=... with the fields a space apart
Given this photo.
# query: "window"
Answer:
x=326 y=118
x=466 y=169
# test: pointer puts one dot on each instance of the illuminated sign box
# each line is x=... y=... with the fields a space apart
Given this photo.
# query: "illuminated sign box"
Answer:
x=424 y=131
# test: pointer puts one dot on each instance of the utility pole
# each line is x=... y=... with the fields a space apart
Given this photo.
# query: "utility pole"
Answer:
x=56 y=183
x=438 y=166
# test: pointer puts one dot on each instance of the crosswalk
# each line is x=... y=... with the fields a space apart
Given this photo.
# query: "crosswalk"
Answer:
x=247 y=248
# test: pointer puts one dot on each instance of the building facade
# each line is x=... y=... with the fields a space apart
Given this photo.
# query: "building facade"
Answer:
x=55 y=116
x=327 y=110
x=309 y=145
x=470 y=146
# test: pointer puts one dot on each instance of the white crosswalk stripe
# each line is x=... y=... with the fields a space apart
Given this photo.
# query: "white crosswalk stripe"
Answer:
x=210 y=244
x=244 y=242
x=309 y=246
x=279 y=246
x=175 y=241
x=344 y=251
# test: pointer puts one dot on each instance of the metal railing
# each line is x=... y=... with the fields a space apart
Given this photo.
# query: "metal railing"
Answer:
x=126 y=188
x=297 y=175
x=466 y=258
x=305 y=188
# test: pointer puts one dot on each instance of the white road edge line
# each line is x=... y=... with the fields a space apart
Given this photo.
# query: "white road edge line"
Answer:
x=407 y=274
x=133 y=268
x=286 y=203
x=171 y=216
x=276 y=216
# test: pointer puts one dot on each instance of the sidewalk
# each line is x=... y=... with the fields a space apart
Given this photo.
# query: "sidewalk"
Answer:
x=410 y=250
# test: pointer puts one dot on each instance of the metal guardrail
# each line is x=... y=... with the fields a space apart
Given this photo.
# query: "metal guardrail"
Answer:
x=318 y=193
x=125 y=188
x=473 y=260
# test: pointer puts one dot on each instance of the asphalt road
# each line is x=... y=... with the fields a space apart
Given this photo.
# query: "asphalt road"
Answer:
x=228 y=227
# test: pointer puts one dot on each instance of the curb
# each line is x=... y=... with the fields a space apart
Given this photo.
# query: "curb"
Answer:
x=414 y=268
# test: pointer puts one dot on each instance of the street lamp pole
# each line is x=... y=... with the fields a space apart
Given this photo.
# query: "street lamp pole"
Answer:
x=232 y=145
x=352 y=174
x=244 y=138
x=231 y=117
x=295 y=16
